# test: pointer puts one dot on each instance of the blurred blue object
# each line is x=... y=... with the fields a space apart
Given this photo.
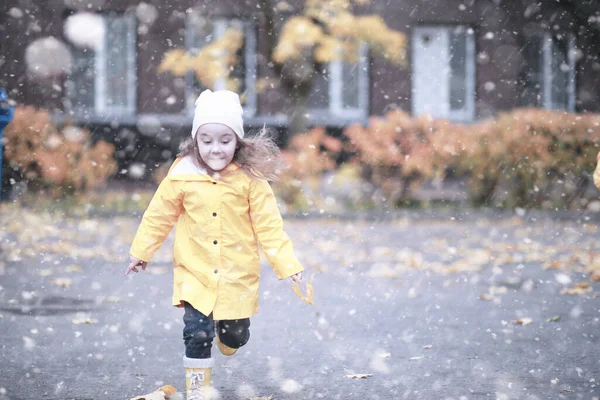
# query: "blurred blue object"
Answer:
x=7 y=112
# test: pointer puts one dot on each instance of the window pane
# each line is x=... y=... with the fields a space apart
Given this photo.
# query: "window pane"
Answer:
x=238 y=72
x=458 y=69
x=117 y=58
x=80 y=85
x=319 y=94
x=201 y=34
x=560 y=75
x=533 y=71
x=350 y=85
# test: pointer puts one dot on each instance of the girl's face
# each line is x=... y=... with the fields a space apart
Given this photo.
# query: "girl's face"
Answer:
x=217 y=143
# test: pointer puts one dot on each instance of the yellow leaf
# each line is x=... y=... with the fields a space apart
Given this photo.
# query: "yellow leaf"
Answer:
x=168 y=390
x=62 y=282
x=165 y=392
x=580 y=288
x=523 y=321
x=309 y=291
x=73 y=268
x=84 y=321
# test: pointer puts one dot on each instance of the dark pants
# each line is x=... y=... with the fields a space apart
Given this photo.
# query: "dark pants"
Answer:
x=199 y=331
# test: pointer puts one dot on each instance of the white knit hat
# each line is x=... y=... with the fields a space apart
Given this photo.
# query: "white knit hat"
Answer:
x=220 y=107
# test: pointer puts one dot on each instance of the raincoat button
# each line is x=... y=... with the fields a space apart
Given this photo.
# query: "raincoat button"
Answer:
x=214 y=214
x=214 y=183
x=216 y=271
x=215 y=242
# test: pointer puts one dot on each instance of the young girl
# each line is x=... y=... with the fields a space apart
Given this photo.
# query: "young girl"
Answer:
x=217 y=193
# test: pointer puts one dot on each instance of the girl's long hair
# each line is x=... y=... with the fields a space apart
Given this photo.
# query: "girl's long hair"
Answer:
x=258 y=155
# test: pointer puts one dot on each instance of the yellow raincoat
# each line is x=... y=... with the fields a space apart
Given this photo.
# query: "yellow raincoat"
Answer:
x=219 y=225
x=596 y=175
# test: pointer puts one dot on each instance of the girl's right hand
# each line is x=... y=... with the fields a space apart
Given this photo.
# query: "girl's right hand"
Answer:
x=135 y=262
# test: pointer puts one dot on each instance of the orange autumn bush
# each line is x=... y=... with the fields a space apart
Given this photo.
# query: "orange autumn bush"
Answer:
x=395 y=152
x=308 y=156
x=534 y=155
x=527 y=157
x=55 y=161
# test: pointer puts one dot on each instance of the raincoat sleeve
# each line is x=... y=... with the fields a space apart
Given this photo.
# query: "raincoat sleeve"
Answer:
x=597 y=172
x=268 y=228
x=158 y=220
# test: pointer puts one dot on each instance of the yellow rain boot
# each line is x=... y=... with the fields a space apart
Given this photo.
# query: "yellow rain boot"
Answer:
x=198 y=372
x=223 y=348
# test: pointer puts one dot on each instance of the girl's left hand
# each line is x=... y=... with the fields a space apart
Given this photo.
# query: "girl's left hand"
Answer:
x=297 y=278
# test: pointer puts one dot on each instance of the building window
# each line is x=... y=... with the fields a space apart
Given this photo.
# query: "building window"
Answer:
x=341 y=88
x=200 y=32
x=443 y=72
x=103 y=77
x=549 y=73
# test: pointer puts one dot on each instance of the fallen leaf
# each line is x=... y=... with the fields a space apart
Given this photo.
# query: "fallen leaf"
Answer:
x=358 y=376
x=261 y=398
x=169 y=390
x=73 y=268
x=554 y=319
x=84 y=321
x=498 y=290
x=309 y=291
x=522 y=321
x=595 y=276
x=62 y=282
x=163 y=393
x=417 y=358
x=554 y=264
x=46 y=272
x=111 y=299
x=486 y=297
x=580 y=288
x=428 y=346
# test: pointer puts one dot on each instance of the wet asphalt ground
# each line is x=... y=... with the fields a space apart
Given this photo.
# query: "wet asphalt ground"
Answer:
x=453 y=306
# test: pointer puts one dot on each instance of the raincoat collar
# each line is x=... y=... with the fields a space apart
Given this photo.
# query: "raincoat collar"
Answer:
x=185 y=169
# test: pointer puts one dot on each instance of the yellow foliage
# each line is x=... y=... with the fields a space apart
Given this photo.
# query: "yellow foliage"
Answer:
x=176 y=61
x=298 y=34
x=373 y=30
x=341 y=36
x=327 y=30
x=212 y=63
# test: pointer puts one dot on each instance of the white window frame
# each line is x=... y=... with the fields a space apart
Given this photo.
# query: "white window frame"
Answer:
x=547 y=72
x=467 y=113
x=250 y=49
x=100 y=77
x=335 y=78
